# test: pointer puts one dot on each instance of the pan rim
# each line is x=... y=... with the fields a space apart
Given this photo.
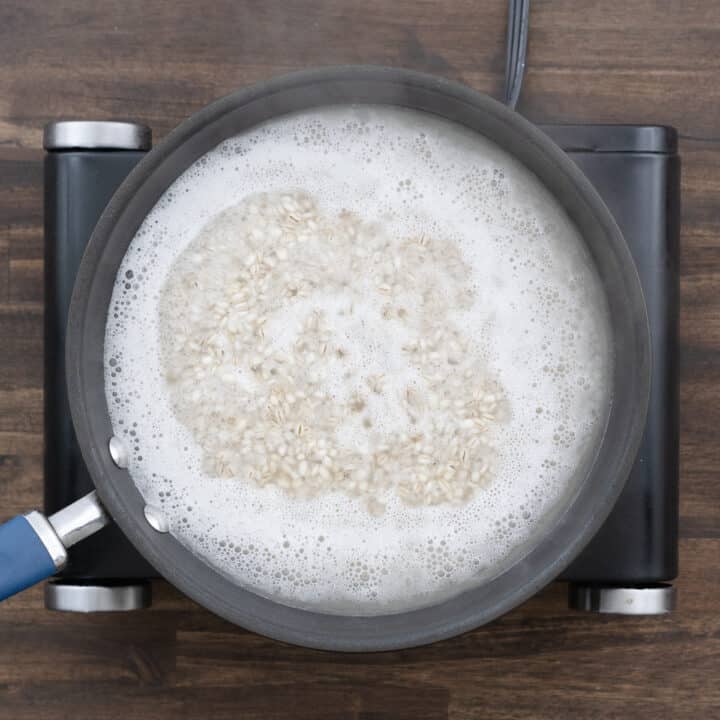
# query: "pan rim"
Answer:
x=334 y=632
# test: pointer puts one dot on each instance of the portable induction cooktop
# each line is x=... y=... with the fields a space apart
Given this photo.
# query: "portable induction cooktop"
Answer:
x=627 y=566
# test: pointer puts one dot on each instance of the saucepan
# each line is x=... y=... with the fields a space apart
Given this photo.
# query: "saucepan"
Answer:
x=33 y=547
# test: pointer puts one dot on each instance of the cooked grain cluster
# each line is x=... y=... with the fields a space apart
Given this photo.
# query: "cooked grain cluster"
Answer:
x=256 y=399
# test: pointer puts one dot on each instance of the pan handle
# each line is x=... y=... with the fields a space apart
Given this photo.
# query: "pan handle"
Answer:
x=33 y=547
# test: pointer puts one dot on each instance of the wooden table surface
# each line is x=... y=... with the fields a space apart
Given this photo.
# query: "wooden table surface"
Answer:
x=614 y=61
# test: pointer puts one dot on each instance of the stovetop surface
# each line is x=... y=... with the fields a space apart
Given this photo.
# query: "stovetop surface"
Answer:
x=636 y=171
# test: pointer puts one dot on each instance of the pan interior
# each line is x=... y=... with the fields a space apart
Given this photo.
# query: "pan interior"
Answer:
x=524 y=297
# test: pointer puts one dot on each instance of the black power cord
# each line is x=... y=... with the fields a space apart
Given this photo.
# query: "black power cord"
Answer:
x=517 y=39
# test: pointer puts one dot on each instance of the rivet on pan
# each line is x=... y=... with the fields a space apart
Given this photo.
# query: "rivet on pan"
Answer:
x=118 y=453
x=156 y=519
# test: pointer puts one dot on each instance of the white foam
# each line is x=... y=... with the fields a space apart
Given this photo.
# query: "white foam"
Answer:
x=538 y=320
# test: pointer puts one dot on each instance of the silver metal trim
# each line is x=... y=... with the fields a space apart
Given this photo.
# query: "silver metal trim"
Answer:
x=96 y=135
x=156 y=519
x=656 y=600
x=97 y=598
x=45 y=531
x=79 y=520
x=118 y=453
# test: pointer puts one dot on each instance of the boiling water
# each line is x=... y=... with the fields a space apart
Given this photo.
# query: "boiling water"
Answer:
x=523 y=302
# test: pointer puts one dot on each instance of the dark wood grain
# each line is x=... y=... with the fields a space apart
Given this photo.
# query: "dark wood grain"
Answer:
x=156 y=62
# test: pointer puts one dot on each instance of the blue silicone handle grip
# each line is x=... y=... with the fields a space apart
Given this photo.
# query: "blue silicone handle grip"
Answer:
x=24 y=560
